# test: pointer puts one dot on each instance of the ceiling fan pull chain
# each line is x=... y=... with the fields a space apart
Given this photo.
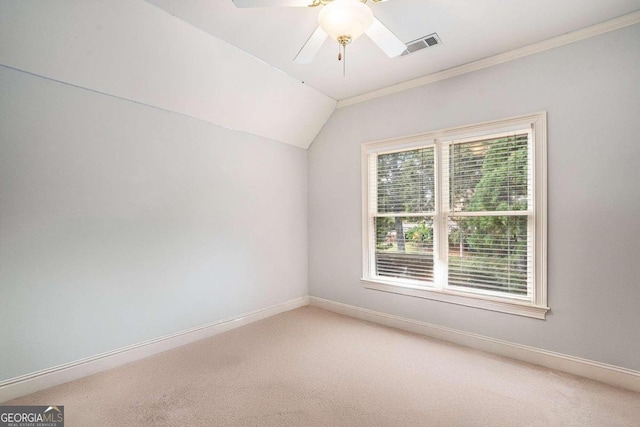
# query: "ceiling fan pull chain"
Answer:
x=344 y=63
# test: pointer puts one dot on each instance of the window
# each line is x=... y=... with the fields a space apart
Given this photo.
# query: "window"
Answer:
x=460 y=215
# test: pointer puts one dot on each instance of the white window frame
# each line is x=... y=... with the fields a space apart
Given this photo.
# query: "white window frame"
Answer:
x=537 y=307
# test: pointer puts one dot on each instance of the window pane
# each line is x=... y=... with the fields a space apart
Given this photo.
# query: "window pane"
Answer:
x=405 y=181
x=404 y=247
x=490 y=253
x=489 y=175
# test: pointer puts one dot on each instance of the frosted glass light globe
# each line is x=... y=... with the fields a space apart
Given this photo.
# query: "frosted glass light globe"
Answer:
x=348 y=18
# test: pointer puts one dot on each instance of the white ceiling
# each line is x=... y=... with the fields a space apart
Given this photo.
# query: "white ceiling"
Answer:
x=470 y=30
x=133 y=50
x=239 y=72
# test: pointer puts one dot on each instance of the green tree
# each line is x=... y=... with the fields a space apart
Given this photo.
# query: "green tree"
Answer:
x=503 y=187
x=421 y=236
x=500 y=185
x=405 y=184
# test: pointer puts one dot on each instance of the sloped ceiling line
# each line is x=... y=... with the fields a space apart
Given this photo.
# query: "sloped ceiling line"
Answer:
x=135 y=51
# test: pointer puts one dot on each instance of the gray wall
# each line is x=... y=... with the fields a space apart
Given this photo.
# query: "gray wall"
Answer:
x=121 y=223
x=591 y=91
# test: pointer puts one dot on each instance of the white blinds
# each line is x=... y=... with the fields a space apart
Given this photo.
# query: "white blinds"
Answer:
x=489 y=175
x=489 y=253
x=406 y=181
x=489 y=181
x=467 y=222
x=403 y=201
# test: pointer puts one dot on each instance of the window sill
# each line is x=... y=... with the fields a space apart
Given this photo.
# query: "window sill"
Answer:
x=477 y=301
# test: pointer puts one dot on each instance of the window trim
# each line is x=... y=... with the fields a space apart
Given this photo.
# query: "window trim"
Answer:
x=538 y=307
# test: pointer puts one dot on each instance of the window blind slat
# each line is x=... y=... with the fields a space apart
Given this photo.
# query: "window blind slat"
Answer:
x=406 y=181
x=490 y=252
x=404 y=247
x=489 y=175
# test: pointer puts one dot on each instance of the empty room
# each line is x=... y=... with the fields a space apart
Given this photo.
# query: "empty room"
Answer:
x=319 y=213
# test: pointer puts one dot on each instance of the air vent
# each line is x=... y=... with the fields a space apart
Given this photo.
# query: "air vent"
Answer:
x=423 y=42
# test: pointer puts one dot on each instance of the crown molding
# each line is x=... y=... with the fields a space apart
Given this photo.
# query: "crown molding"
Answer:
x=564 y=39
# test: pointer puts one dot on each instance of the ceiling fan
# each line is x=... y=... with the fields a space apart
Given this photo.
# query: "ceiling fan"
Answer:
x=342 y=20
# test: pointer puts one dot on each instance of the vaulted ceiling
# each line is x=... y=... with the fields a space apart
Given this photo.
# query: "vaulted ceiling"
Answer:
x=234 y=67
x=470 y=30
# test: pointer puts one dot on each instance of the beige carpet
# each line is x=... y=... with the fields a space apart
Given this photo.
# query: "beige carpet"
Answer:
x=311 y=367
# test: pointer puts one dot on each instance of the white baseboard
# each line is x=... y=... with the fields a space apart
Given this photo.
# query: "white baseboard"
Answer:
x=609 y=374
x=30 y=383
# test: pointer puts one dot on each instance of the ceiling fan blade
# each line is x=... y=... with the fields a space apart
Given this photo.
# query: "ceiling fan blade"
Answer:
x=272 y=3
x=311 y=47
x=385 y=39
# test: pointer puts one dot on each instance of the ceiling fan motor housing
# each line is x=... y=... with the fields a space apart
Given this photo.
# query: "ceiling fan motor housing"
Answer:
x=345 y=20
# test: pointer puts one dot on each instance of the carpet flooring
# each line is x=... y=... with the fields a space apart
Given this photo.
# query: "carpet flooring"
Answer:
x=310 y=367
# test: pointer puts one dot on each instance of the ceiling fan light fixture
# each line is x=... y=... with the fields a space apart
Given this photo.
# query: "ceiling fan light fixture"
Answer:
x=345 y=20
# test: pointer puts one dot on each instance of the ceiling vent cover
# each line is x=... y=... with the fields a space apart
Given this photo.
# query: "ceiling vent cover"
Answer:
x=421 y=43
